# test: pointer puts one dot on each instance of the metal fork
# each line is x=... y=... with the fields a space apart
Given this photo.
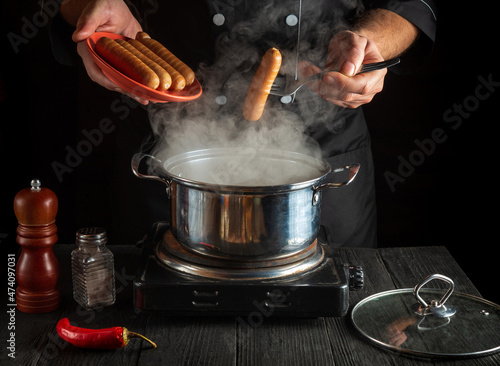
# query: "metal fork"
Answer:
x=283 y=87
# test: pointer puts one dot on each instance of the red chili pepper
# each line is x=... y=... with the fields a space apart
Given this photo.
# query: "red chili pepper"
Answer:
x=109 y=338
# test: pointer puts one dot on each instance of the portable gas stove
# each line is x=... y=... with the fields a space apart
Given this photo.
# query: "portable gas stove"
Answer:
x=177 y=281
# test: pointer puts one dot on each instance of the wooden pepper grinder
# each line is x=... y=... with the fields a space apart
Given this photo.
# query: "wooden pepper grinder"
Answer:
x=37 y=271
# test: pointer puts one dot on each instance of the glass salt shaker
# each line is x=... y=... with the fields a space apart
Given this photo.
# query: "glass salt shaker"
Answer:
x=92 y=267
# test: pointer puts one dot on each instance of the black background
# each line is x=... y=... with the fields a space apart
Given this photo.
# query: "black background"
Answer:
x=449 y=199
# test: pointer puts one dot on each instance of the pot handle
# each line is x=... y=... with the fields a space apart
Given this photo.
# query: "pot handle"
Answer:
x=136 y=160
x=353 y=171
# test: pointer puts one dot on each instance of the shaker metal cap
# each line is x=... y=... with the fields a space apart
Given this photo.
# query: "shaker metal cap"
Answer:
x=92 y=234
x=35 y=184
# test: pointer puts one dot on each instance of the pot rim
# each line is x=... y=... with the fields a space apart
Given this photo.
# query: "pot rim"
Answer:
x=323 y=166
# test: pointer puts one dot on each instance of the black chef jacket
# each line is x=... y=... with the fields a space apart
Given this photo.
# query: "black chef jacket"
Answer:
x=213 y=36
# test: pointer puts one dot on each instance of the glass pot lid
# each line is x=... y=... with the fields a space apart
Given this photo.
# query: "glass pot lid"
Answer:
x=430 y=323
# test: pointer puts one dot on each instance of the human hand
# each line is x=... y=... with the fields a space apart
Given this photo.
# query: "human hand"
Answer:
x=347 y=52
x=104 y=16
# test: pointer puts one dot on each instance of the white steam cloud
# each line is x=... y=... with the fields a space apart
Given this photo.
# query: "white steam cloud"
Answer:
x=215 y=120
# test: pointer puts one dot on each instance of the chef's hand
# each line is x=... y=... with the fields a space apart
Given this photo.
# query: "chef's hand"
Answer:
x=101 y=16
x=347 y=52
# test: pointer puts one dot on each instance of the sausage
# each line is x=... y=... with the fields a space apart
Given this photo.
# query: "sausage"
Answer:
x=178 y=81
x=141 y=35
x=260 y=87
x=165 y=79
x=170 y=58
x=126 y=62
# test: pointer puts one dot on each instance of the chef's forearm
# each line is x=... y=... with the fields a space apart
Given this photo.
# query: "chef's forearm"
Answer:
x=391 y=33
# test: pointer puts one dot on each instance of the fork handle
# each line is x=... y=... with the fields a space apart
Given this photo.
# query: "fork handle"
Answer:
x=370 y=67
x=379 y=65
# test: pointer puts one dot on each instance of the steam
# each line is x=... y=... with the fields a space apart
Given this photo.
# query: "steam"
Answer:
x=204 y=124
x=215 y=119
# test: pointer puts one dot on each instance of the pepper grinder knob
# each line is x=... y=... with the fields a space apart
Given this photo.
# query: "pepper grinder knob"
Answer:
x=356 y=278
x=37 y=271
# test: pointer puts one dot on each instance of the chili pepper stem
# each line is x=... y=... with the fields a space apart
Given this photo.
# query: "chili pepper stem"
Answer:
x=127 y=334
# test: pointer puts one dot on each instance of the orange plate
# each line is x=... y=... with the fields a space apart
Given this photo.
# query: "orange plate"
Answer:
x=190 y=92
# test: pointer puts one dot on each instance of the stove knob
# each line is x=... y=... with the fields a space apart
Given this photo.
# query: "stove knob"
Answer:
x=356 y=278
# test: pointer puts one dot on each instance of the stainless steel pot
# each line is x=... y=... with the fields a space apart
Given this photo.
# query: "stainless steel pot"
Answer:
x=244 y=204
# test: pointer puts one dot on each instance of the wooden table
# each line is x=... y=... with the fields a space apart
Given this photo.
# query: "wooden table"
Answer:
x=231 y=340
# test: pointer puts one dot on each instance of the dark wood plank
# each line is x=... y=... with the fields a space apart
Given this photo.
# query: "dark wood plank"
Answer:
x=191 y=341
x=284 y=341
x=240 y=340
x=35 y=342
x=408 y=266
x=377 y=278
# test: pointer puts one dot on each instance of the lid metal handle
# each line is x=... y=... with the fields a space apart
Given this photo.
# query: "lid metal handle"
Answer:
x=434 y=308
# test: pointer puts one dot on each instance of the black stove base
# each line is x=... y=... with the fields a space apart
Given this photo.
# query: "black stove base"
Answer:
x=322 y=291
